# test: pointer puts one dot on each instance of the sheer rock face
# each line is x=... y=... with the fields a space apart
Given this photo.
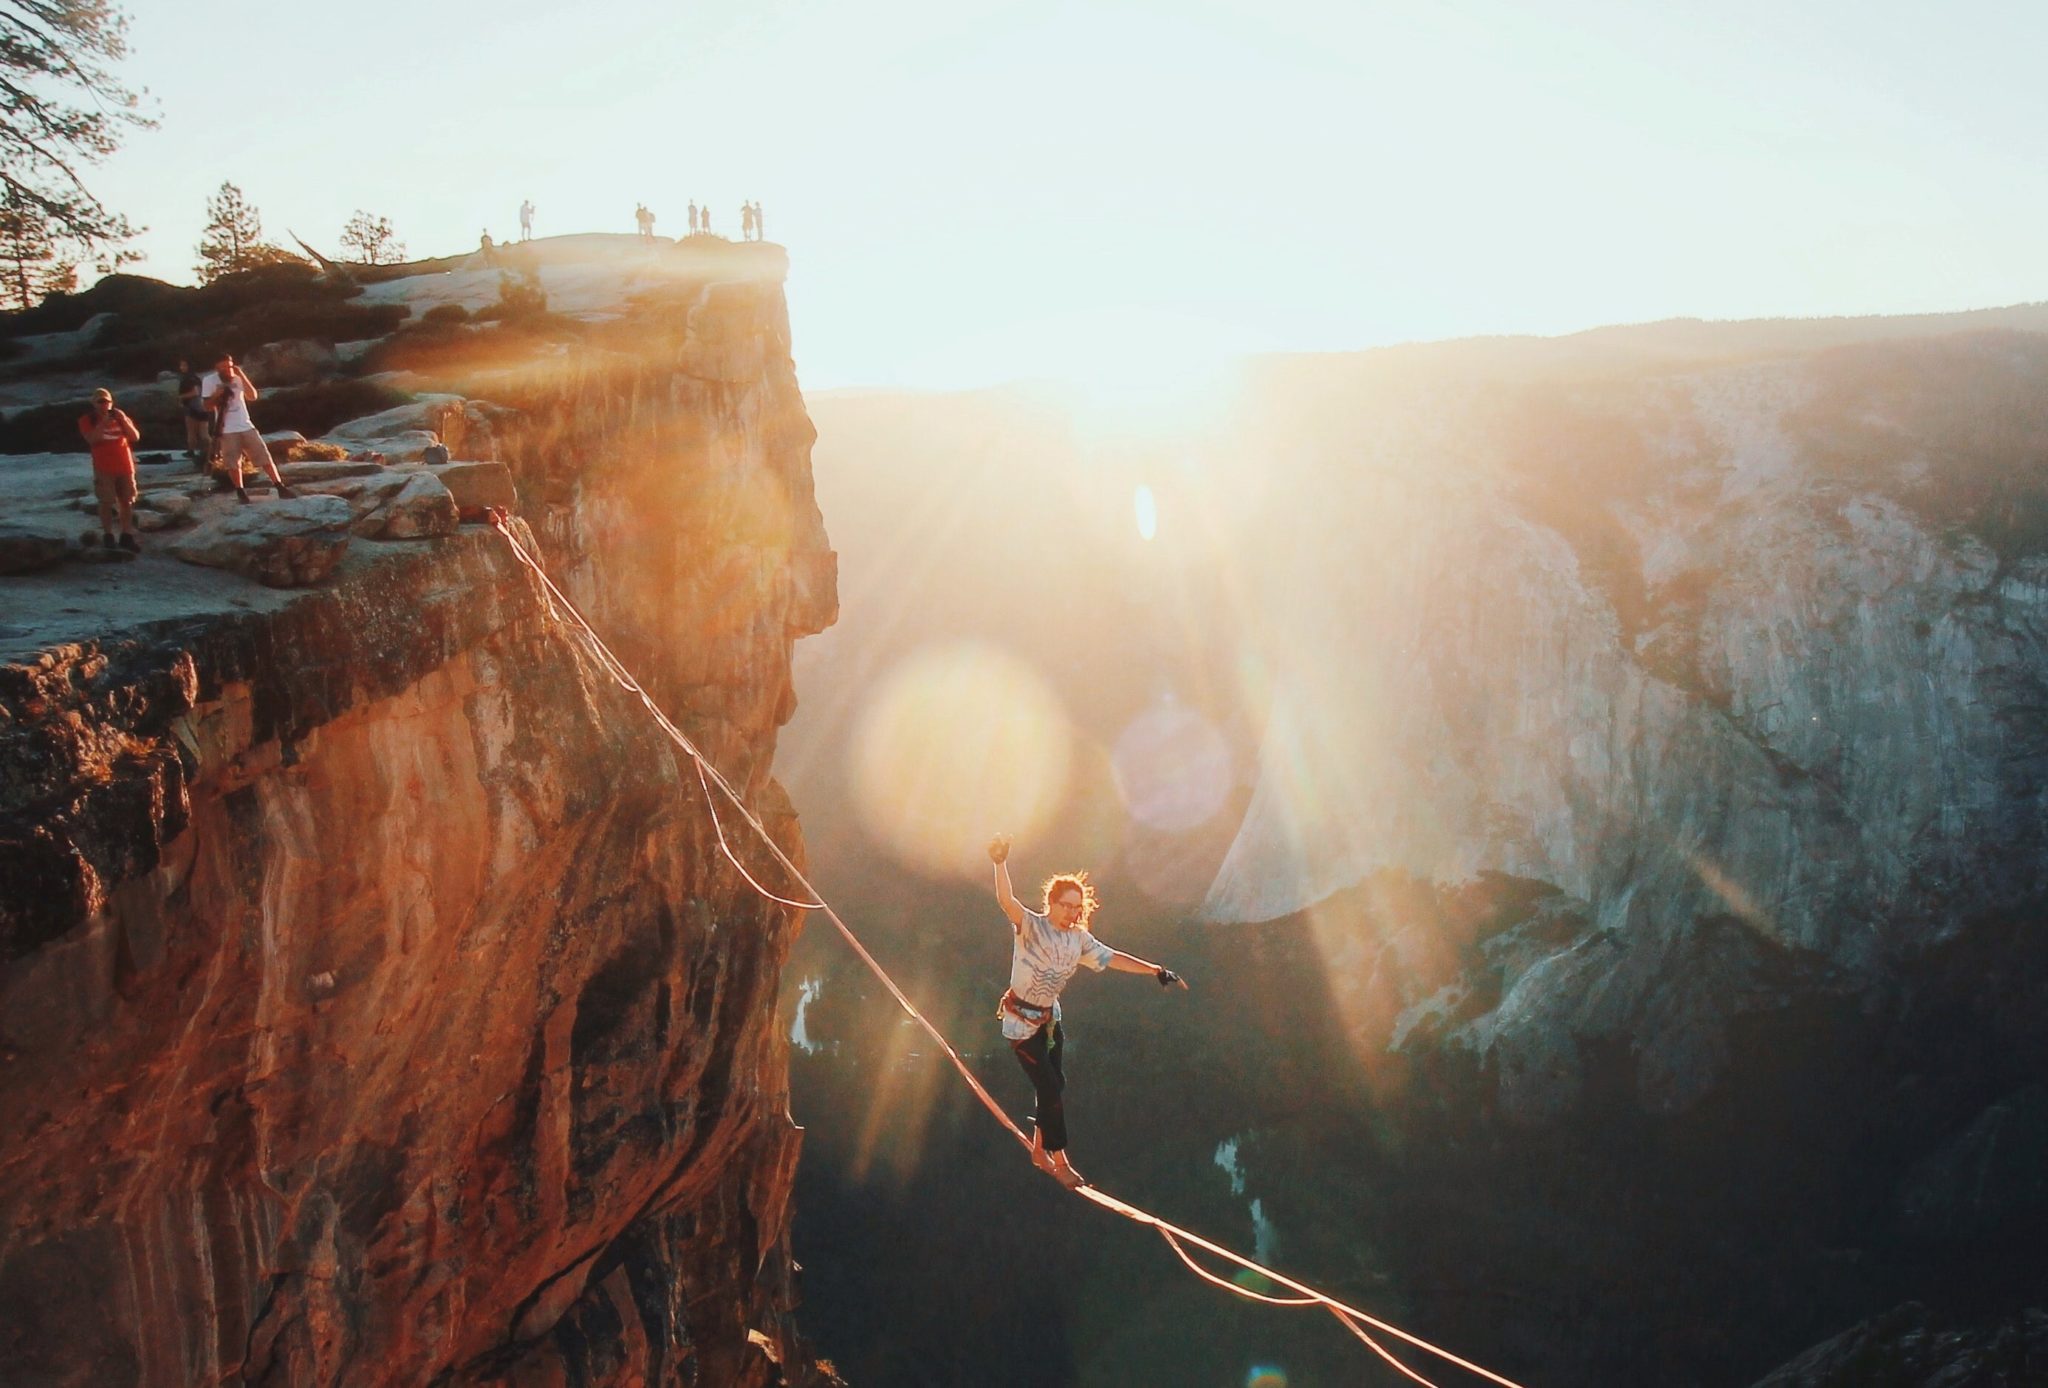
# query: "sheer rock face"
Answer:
x=375 y=1006
x=1751 y=655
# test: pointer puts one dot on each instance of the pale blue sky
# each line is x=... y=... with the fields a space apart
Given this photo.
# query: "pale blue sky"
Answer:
x=975 y=191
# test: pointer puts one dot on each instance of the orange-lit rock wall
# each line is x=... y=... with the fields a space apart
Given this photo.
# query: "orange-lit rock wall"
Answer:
x=375 y=1007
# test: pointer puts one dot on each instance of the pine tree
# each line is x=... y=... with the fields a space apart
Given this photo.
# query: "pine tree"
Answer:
x=30 y=266
x=373 y=240
x=60 y=110
x=233 y=239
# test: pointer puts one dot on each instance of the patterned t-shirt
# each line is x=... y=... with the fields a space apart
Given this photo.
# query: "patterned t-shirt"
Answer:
x=1043 y=958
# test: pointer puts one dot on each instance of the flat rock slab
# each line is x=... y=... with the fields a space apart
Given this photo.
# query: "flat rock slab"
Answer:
x=25 y=551
x=393 y=504
x=282 y=544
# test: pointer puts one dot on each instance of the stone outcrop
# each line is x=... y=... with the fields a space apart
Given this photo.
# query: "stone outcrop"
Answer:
x=1910 y=1348
x=375 y=1006
x=286 y=543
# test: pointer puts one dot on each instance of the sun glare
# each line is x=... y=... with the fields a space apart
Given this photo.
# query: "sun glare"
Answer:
x=958 y=742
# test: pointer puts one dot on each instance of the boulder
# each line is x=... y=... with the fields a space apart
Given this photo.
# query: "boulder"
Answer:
x=393 y=505
x=422 y=508
x=282 y=544
x=402 y=433
x=156 y=510
x=25 y=551
x=476 y=485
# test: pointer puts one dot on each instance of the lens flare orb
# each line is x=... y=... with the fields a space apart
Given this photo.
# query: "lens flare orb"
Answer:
x=958 y=742
x=1172 y=768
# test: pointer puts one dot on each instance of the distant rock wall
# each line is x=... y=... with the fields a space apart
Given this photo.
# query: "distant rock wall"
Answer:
x=1748 y=662
x=375 y=1007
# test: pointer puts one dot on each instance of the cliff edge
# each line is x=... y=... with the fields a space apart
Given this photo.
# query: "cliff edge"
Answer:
x=375 y=1006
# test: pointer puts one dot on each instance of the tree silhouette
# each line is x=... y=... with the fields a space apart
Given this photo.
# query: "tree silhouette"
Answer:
x=60 y=110
x=30 y=266
x=373 y=240
x=233 y=239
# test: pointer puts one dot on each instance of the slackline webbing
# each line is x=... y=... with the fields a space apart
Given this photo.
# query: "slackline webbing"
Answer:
x=1176 y=1238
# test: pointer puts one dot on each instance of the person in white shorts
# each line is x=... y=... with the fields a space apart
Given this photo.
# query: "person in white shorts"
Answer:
x=229 y=392
x=1046 y=948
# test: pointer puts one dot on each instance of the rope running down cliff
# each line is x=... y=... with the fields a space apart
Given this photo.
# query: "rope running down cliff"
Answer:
x=1176 y=1238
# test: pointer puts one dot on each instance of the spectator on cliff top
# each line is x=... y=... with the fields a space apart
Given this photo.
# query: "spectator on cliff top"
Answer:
x=526 y=220
x=1046 y=948
x=487 y=248
x=644 y=219
x=746 y=221
x=198 y=433
x=704 y=219
x=693 y=216
x=230 y=391
x=110 y=433
x=759 y=233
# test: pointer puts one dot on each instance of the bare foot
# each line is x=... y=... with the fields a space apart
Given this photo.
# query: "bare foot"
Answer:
x=1039 y=1158
x=1063 y=1172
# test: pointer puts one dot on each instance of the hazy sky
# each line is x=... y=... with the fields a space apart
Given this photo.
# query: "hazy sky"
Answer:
x=974 y=191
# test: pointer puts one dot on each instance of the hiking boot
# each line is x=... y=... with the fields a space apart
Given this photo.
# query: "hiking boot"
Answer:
x=106 y=539
x=128 y=542
x=284 y=493
x=242 y=495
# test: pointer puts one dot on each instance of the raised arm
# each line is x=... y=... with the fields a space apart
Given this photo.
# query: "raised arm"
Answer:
x=248 y=386
x=128 y=426
x=999 y=854
x=1132 y=964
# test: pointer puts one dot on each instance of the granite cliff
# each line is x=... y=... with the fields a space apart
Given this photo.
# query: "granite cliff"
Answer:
x=375 y=1007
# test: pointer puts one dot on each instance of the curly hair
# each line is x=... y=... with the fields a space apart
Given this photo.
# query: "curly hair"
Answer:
x=1078 y=880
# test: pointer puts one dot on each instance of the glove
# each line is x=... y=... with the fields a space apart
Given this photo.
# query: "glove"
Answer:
x=1167 y=978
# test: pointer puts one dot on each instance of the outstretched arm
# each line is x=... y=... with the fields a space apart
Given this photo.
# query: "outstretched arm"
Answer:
x=999 y=854
x=1132 y=964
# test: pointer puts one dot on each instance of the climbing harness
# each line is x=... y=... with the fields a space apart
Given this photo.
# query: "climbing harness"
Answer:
x=1358 y=1322
x=1029 y=1013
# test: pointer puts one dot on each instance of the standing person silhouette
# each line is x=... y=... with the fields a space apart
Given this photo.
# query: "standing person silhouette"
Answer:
x=746 y=221
x=1046 y=948
x=704 y=219
x=111 y=434
x=759 y=234
x=693 y=216
x=526 y=220
x=230 y=392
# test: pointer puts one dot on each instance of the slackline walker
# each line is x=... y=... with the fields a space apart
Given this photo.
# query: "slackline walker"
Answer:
x=1179 y=1240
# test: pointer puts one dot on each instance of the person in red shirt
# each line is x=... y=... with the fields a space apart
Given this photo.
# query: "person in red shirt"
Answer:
x=111 y=433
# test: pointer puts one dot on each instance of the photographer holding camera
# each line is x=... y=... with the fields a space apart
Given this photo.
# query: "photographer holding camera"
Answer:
x=229 y=392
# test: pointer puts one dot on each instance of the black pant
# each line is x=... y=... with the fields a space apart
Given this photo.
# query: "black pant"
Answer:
x=1040 y=1058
